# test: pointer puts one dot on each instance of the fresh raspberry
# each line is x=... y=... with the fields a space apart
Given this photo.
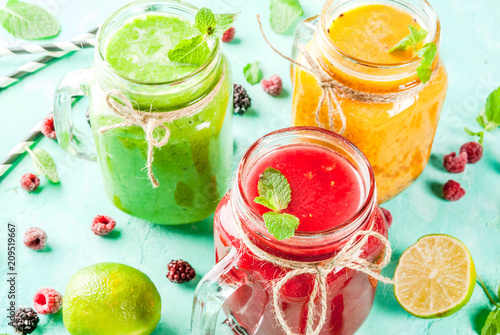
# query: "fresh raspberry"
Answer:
x=452 y=191
x=388 y=216
x=180 y=272
x=474 y=151
x=47 y=301
x=272 y=86
x=35 y=238
x=25 y=320
x=48 y=127
x=29 y=182
x=228 y=35
x=453 y=163
x=103 y=225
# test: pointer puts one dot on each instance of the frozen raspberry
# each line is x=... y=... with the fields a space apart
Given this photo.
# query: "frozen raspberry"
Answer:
x=29 y=182
x=453 y=163
x=35 y=238
x=25 y=320
x=103 y=225
x=47 y=301
x=388 y=216
x=272 y=86
x=180 y=272
x=241 y=100
x=48 y=127
x=452 y=191
x=474 y=151
x=228 y=35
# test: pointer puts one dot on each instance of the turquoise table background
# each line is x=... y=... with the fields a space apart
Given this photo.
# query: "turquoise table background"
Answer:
x=470 y=49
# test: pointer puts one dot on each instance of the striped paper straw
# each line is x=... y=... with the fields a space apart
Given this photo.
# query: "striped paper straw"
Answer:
x=66 y=46
x=32 y=67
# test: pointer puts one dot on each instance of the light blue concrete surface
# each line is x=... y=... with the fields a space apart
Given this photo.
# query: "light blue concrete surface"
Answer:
x=470 y=49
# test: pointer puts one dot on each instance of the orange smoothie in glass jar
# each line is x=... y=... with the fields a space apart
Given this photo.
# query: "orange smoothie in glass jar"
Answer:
x=390 y=114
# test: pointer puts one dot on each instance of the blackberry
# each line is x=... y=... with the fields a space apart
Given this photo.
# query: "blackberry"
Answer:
x=25 y=320
x=241 y=100
x=180 y=272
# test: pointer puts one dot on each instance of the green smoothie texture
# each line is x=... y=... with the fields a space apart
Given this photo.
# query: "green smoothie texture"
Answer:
x=194 y=166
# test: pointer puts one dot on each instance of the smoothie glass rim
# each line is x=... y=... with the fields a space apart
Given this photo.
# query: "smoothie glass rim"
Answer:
x=305 y=239
x=181 y=6
x=431 y=19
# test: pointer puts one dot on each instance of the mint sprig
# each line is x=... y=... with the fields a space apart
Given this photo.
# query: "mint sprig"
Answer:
x=275 y=193
x=492 y=324
x=194 y=50
x=427 y=53
x=28 y=21
x=283 y=13
x=44 y=164
x=489 y=118
x=253 y=73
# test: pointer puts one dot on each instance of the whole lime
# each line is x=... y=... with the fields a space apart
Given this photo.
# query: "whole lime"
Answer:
x=111 y=299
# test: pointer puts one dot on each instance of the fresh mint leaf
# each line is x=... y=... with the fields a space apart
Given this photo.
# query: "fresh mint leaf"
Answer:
x=492 y=323
x=283 y=13
x=224 y=22
x=416 y=36
x=264 y=201
x=44 y=164
x=205 y=21
x=253 y=73
x=274 y=187
x=428 y=54
x=192 y=50
x=281 y=225
x=28 y=21
x=492 y=108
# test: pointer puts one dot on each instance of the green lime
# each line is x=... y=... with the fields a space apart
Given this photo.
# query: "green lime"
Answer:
x=435 y=277
x=111 y=299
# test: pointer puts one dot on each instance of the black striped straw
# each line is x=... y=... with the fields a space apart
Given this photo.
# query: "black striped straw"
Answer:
x=66 y=46
x=31 y=67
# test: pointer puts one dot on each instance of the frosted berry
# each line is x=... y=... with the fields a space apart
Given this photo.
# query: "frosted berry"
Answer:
x=25 y=320
x=29 y=182
x=35 y=238
x=47 y=301
x=272 y=86
x=180 y=272
x=103 y=225
x=388 y=216
x=241 y=100
x=455 y=164
x=452 y=191
x=48 y=127
x=228 y=35
x=474 y=151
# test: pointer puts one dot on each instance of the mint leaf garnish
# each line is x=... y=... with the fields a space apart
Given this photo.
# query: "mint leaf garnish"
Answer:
x=281 y=225
x=492 y=323
x=28 y=21
x=253 y=73
x=283 y=13
x=489 y=118
x=192 y=50
x=275 y=193
x=44 y=164
x=427 y=53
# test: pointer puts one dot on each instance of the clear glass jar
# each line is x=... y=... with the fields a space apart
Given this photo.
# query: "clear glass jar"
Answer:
x=193 y=167
x=396 y=136
x=241 y=283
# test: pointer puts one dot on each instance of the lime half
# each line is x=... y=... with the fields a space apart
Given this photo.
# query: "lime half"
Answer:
x=435 y=277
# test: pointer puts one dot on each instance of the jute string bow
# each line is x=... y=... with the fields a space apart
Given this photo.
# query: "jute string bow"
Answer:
x=348 y=257
x=331 y=89
x=150 y=121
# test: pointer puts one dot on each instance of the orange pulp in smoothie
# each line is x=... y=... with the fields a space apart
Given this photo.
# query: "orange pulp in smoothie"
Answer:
x=396 y=137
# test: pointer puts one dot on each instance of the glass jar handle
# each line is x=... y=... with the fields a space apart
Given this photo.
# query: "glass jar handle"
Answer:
x=213 y=290
x=74 y=141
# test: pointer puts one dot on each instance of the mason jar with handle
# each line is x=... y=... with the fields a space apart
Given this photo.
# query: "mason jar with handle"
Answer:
x=162 y=130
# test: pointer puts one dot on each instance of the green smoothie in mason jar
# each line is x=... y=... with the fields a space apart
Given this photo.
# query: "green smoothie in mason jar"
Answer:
x=192 y=166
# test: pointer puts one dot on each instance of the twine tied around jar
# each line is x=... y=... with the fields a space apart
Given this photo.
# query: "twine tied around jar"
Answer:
x=348 y=257
x=331 y=89
x=150 y=121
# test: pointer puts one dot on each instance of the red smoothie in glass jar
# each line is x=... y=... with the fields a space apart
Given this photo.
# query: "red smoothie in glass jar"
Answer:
x=333 y=195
